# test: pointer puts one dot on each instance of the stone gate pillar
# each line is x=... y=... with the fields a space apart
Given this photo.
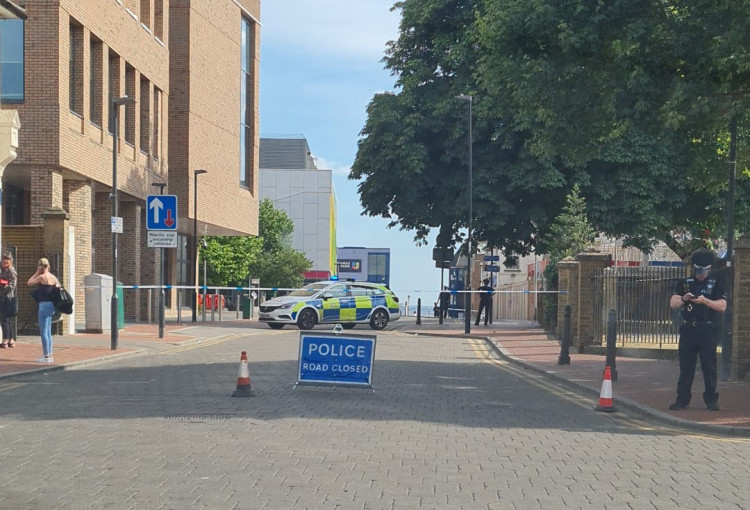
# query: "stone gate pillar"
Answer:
x=590 y=261
x=567 y=281
x=741 y=306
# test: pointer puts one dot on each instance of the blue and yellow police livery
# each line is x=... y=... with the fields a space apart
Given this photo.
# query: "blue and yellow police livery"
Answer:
x=333 y=302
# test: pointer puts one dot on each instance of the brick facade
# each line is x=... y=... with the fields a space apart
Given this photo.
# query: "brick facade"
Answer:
x=65 y=158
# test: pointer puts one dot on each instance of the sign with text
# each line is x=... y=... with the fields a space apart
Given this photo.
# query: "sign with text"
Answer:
x=336 y=359
x=492 y=269
x=162 y=239
x=350 y=265
x=161 y=212
x=116 y=225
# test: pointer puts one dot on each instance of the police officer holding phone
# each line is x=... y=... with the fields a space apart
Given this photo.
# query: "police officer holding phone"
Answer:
x=702 y=300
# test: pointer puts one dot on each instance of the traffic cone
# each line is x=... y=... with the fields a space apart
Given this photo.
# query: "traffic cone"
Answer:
x=605 y=397
x=243 y=378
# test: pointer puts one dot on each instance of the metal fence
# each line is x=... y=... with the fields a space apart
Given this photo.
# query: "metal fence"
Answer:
x=640 y=297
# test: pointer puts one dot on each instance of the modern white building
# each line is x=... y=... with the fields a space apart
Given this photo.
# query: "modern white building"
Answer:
x=290 y=178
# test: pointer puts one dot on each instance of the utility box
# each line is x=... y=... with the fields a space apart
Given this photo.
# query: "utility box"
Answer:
x=98 y=288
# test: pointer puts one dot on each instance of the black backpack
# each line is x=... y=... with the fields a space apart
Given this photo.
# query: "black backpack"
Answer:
x=62 y=300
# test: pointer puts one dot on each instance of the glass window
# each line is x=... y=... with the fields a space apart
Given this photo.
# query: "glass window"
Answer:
x=11 y=60
x=247 y=40
x=95 y=82
x=75 y=63
x=129 y=108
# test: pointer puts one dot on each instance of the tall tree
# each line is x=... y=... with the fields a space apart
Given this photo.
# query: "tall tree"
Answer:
x=629 y=98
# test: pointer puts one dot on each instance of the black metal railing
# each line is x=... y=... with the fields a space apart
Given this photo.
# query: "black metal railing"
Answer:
x=640 y=297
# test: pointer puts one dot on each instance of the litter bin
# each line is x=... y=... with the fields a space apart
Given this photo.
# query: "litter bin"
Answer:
x=246 y=303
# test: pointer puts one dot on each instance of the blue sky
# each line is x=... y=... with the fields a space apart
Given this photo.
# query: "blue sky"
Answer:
x=320 y=67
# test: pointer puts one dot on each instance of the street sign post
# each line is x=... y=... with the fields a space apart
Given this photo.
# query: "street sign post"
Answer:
x=161 y=212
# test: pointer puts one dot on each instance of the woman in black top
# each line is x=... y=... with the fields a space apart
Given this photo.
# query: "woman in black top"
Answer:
x=46 y=283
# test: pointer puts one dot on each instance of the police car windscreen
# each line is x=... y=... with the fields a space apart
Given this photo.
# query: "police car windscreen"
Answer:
x=308 y=290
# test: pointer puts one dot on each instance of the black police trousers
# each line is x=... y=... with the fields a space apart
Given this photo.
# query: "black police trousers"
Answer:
x=697 y=341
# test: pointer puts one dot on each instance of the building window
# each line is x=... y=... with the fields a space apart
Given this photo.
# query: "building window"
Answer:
x=75 y=69
x=146 y=13
x=182 y=260
x=145 y=109
x=95 y=81
x=159 y=19
x=114 y=86
x=157 y=123
x=11 y=60
x=247 y=102
x=130 y=108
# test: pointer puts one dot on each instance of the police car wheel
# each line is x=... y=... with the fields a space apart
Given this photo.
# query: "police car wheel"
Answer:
x=379 y=319
x=307 y=319
x=348 y=326
x=275 y=325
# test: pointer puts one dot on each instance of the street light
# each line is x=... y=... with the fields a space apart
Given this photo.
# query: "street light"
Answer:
x=115 y=116
x=467 y=311
x=194 y=260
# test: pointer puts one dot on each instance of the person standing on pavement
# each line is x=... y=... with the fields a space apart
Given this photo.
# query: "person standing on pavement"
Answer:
x=702 y=300
x=485 y=301
x=8 y=301
x=45 y=283
x=445 y=301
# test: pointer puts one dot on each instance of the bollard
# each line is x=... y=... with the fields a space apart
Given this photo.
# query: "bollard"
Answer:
x=564 y=358
x=419 y=310
x=179 y=306
x=148 y=307
x=236 y=306
x=612 y=343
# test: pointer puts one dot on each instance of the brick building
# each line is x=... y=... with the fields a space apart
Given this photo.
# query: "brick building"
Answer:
x=192 y=69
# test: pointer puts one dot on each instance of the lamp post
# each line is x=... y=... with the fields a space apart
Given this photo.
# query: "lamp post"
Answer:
x=194 y=259
x=115 y=116
x=467 y=311
x=726 y=343
x=161 y=186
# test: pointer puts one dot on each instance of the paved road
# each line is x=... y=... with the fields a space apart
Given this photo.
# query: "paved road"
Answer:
x=447 y=427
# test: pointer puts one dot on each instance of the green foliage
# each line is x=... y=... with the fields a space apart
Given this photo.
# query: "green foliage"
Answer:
x=629 y=98
x=570 y=233
x=232 y=260
x=228 y=258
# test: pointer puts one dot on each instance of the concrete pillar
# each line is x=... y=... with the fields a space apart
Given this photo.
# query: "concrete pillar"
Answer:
x=741 y=306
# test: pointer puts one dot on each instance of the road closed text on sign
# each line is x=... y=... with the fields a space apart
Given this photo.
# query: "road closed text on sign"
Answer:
x=325 y=358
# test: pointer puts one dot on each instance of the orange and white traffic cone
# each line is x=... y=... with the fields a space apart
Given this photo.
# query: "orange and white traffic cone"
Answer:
x=605 y=397
x=243 y=378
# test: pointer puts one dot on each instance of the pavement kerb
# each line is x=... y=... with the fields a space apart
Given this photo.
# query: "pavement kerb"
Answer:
x=72 y=365
x=626 y=403
x=76 y=364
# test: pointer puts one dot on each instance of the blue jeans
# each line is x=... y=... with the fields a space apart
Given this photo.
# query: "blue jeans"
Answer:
x=46 y=311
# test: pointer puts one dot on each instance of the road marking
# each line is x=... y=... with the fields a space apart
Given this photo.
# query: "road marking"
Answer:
x=218 y=340
x=9 y=386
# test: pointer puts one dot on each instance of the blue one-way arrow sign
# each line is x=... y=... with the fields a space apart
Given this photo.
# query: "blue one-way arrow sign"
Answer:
x=161 y=212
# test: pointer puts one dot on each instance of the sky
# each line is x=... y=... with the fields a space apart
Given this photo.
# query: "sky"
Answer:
x=320 y=67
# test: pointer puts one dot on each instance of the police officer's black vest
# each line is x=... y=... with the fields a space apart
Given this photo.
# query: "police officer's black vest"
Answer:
x=693 y=312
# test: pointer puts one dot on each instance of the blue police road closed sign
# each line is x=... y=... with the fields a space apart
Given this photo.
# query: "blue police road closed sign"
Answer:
x=340 y=360
x=161 y=212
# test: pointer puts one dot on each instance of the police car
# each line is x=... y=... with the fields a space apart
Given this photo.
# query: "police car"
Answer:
x=333 y=302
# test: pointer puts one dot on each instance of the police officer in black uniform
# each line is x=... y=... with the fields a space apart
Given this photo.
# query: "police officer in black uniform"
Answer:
x=485 y=301
x=702 y=300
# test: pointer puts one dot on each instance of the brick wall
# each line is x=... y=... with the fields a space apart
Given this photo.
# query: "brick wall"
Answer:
x=589 y=263
x=567 y=281
x=46 y=192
